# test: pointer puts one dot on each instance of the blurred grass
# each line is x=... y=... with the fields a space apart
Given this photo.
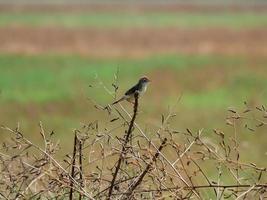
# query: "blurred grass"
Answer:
x=131 y=19
x=46 y=78
x=55 y=88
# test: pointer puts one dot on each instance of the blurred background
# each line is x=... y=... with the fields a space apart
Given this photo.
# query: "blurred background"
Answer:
x=55 y=55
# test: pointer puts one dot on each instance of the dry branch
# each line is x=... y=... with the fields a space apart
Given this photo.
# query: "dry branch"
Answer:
x=126 y=140
x=142 y=175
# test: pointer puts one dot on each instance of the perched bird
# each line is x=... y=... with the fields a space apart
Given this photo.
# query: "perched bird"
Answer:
x=139 y=88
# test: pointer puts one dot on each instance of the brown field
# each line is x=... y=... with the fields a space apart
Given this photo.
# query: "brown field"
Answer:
x=136 y=7
x=133 y=42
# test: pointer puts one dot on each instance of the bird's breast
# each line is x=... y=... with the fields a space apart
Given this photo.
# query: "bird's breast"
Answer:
x=143 y=89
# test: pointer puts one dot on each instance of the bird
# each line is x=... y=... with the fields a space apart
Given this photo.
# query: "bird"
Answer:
x=139 y=88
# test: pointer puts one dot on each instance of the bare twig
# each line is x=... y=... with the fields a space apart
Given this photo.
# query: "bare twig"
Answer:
x=73 y=165
x=142 y=175
x=126 y=140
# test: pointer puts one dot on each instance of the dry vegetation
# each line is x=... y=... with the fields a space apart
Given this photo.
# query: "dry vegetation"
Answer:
x=138 y=165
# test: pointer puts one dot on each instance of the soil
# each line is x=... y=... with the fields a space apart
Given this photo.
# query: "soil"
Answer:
x=135 y=42
x=136 y=7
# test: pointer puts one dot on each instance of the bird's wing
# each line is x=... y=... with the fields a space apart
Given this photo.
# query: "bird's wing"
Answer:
x=132 y=90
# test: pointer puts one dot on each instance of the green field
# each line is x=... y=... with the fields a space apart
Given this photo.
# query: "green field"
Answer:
x=55 y=89
x=130 y=20
x=46 y=78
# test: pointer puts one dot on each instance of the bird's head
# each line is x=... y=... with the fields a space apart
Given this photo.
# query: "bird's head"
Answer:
x=144 y=80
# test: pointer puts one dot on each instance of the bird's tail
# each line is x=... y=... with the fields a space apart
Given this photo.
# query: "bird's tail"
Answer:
x=121 y=99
